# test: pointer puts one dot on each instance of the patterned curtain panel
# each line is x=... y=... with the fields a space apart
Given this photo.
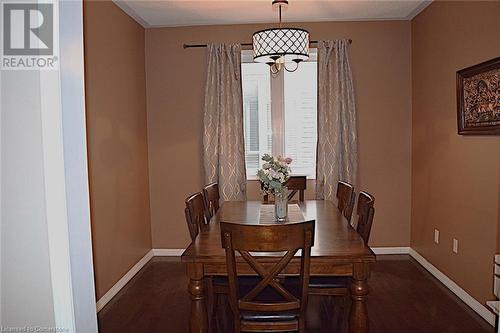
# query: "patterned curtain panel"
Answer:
x=337 y=157
x=223 y=142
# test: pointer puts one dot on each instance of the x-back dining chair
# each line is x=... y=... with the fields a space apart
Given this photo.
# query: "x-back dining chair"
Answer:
x=196 y=220
x=212 y=198
x=345 y=197
x=252 y=310
x=338 y=286
x=195 y=214
x=295 y=184
x=366 y=212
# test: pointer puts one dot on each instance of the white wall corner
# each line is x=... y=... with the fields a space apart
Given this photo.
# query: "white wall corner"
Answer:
x=420 y=8
x=479 y=308
x=131 y=12
x=123 y=281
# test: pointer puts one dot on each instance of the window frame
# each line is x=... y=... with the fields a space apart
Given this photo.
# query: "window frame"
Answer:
x=277 y=92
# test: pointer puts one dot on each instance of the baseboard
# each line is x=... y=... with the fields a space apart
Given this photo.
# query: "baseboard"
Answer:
x=167 y=252
x=391 y=250
x=123 y=281
x=455 y=288
x=376 y=250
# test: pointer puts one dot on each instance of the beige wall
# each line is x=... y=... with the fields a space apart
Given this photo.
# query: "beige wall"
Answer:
x=380 y=58
x=117 y=141
x=498 y=215
x=455 y=179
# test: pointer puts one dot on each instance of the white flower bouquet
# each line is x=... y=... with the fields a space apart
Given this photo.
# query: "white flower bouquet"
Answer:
x=274 y=173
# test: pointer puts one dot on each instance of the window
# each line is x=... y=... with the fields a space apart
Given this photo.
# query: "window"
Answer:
x=256 y=114
x=280 y=115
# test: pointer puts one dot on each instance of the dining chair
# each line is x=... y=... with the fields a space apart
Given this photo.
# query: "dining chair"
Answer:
x=196 y=221
x=295 y=184
x=268 y=306
x=195 y=214
x=338 y=286
x=212 y=198
x=196 y=218
x=366 y=212
x=345 y=197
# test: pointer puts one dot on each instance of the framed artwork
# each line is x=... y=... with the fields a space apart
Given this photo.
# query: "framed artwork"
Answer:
x=478 y=98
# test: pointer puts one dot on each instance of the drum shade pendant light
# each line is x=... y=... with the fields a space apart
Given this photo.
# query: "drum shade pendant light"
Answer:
x=278 y=47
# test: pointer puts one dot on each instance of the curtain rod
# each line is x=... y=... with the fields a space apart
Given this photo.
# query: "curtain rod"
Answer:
x=188 y=46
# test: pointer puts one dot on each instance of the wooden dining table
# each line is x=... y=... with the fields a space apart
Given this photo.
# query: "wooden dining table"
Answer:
x=338 y=251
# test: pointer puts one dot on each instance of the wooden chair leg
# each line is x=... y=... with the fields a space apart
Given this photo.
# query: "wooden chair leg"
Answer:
x=210 y=299
x=302 y=325
x=237 y=326
x=347 y=304
x=213 y=318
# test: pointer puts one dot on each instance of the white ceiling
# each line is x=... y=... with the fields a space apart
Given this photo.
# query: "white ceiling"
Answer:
x=173 y=13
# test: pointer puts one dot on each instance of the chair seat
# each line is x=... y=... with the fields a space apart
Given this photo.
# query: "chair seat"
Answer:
x=268 y=316
x=322 y=281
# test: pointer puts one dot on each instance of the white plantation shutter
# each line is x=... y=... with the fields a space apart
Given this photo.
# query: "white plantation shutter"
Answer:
x=293 y=112
x=256 y=113
x=301 y=119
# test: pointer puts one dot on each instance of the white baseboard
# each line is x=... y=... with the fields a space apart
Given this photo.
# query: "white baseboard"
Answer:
x=376 y=250
x=167 y=252
x=455 y=288
x=123 y=281
x=391 y=250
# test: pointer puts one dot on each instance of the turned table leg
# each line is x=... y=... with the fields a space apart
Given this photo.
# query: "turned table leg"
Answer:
x=358 y=321
x=198 y=321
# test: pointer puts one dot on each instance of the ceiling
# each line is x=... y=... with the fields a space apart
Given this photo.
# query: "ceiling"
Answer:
x=209 y=12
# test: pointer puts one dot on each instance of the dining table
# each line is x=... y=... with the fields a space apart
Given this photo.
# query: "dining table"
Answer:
x=338 y=250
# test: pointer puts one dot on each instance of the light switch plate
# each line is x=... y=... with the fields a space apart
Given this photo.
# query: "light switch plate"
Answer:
x=455 y=245
x=436 y=236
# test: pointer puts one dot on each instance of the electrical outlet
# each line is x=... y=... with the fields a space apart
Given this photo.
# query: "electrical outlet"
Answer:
x=436 y=236
x=455 y=245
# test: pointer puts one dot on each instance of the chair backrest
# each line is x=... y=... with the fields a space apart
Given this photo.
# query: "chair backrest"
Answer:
x=211 y=196
x=366 y=211
x=287 y=238
x=345 y=196
x=195 y=214
x=294 y=184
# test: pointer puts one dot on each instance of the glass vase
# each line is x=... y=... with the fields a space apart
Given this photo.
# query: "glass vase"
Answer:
x=281 y=205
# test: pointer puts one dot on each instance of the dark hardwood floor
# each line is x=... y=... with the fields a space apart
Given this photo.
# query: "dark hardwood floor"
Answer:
x=404 y=298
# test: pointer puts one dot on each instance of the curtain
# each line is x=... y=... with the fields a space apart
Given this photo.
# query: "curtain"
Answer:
x=223 y=142
x=337 y=156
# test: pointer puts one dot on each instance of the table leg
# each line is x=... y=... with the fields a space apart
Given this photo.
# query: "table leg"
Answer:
x=358 y=321
x=198 y=321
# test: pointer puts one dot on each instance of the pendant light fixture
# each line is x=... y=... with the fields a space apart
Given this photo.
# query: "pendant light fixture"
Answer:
x=280 y=46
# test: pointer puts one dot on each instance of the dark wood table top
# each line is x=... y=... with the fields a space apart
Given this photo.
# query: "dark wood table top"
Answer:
x=334 y=239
